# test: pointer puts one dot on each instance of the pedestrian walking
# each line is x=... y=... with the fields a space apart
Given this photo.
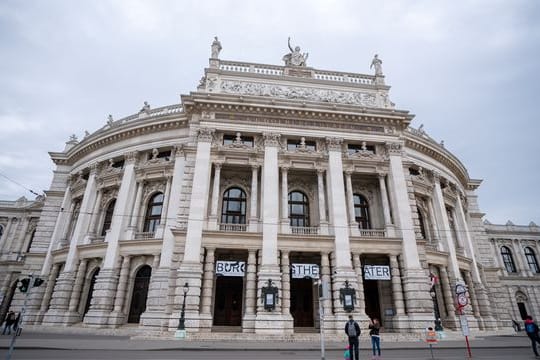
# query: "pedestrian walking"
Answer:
x=374 y=327
x=352 y=329
x=532 y=332
x=10 y=320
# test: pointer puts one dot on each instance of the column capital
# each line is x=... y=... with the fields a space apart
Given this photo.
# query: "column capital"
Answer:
x=93 y=168
x=348 y=172
x=205 y=135
x=131 y=157
x=178 y=151
x=255 y=167
x=284 y=168
x=271 y=139
x=394 y=148
x=381 y=174
x=218 y=165
x=334 y=143
x=436 y=175
x=320 y=171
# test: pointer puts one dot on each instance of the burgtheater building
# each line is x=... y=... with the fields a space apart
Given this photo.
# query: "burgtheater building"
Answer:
x=238 y=202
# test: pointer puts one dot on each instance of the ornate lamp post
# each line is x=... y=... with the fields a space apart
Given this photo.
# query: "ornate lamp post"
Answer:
x=181 y=332
x=433 y=294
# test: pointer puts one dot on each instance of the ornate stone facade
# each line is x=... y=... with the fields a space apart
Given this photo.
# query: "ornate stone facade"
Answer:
x=317 y=176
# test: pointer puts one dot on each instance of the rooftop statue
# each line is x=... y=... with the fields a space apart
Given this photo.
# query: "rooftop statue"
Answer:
x=376 y=62
x=216 y=48
x=295 y=57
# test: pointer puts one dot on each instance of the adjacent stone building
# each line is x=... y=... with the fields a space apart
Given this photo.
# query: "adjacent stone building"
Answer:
x=264 y=182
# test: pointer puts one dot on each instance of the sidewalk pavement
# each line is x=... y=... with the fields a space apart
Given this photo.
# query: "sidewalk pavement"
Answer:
x=77 y=340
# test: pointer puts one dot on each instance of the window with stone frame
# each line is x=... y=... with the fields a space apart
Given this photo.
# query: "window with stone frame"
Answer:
x=298 y=209
x=107 y=220
x=233 y=209
x=302 y=143
x=531 y=260
x=153 y=213
x=361 y=211
x=508 y=259
x=422 y=223
x=74 y=218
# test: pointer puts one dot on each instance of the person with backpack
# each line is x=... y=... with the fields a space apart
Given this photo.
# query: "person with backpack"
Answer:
x=532 y=332
x=352 y=329
x=374 y=327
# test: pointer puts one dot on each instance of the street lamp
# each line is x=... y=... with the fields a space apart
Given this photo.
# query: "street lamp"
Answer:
x=181 y=323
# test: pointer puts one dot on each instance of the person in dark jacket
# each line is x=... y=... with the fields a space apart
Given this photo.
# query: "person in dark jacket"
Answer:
x=10 y=320
x=352 y=329
x=532 y=332
x=374 y=327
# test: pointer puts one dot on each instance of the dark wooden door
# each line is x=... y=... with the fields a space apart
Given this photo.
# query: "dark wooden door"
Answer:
x=228 y=301
x=140 y=293
x=302 y=302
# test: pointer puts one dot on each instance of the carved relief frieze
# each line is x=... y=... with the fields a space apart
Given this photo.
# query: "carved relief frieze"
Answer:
x=78 y=184
x=367 y=190
x=152 y=187
x=298 y=93
x=303 y=184
x=242 y=180
x=107 y=196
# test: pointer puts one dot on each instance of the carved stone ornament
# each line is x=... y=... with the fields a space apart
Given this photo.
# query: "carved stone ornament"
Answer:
x=394 y=148
x=205 y=135
x=298 y=93
x=131 y=157
x=334 y=144
x=271 y=139
x=208 y=115
x=178 y=151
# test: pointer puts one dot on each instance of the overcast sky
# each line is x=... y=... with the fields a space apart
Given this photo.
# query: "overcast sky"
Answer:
x=468 y=70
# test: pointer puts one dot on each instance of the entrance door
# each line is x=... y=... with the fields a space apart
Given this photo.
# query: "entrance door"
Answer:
x=140 y=293
x=90 y=291
x=228 y=301
x=371 y=294
x=302 y=302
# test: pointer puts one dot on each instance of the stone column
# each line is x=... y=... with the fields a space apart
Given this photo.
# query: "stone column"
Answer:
x=45 y=302
x=361 y=304
x=415 y=284
x=134 y=222
x=286 y=292
x=268 y=321
x=92 y=231
x=207 y=285
x=118 y=316
x=353 y=225
x=160 y=230
x=323 y=222
x=440 y=213
x=326 y=278
x=4 y=241
x=285 y=222
x=337 y=205
x=253 y=219
x=388 y=226
x=73 y=315
x=248 y=322
x=213 y=220
x=191 y=268
x=448 y=295
x=83 y=220
x=472 y=296
x=167 y=248
x=397 y=290
x=107 y=280
x=434 y=228
x=22 y=235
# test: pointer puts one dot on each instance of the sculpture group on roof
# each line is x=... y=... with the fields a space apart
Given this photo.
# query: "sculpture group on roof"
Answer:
x=295 y=57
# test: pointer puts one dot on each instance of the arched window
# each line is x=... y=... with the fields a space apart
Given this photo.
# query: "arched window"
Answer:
x=361 y=211
x=298 y=209
x=508 y=260
x=531 y=260
x=108 y=217
x=153 y=213
x=233 y=210
x=422 y=224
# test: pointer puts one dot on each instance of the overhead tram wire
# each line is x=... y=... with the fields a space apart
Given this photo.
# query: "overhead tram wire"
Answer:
x=19 y=184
